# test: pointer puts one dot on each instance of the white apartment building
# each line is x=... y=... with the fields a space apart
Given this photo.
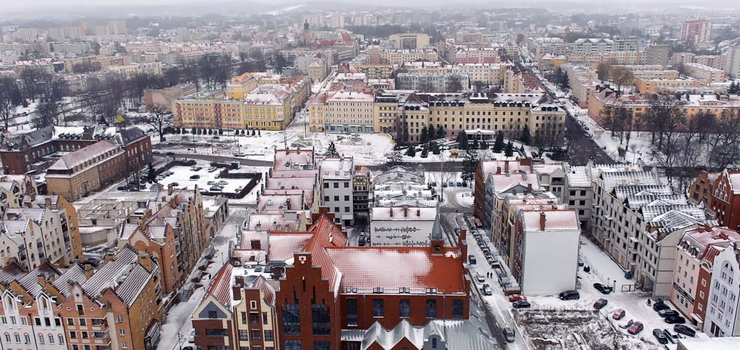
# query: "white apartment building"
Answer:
x=349 y=112
x=335 y=177
x=35 y=235
x=723 y=318
x=705 y=73
x=402 y=226
x=546 y=251
x=430 y=82
x=486 y=73
x=732 y=63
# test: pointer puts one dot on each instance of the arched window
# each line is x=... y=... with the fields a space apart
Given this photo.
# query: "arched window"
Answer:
x=7 y=337
x=61 y=338
x=41 y=339
x=51 y=338
x=17 y=338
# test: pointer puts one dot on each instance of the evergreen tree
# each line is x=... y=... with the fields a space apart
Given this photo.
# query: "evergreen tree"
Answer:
x=509 y=151
x=526 y=137
x=476 y=145
x=423 y=137
x=499 y=144
x=431 y=133
x=254 y=132
x=395 y=158
x=151 y=176
x=470 y=164
x=193 y=131
x=259 y=133
x=435 y=148
x=440 y=132
x=483 y=144
x=462 y=140
x=332 y=150
x=411 y=152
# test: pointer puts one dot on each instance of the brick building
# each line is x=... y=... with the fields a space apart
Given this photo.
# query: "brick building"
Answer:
x=726 y=198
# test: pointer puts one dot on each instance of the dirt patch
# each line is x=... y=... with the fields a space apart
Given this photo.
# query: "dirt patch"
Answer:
x=574 y=329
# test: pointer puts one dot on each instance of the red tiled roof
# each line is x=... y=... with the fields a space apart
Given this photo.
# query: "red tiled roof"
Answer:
x=368 y=268
x=283 y=245
x=221 y=286
x=266 y=288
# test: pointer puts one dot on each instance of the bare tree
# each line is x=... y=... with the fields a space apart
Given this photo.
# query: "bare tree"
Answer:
x=621 y=76
x=158 y=118
x=7 y=84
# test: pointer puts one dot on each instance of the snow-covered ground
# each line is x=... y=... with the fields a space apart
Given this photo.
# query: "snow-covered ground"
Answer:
x=552 y=323
x=208 y=178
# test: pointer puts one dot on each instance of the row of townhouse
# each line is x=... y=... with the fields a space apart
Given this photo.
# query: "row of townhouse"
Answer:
x=117 y=306
x=392 y=110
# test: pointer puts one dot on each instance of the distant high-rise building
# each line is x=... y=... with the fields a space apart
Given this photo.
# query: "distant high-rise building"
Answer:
x=409 y=41
x=657 y=55
x=696 y=31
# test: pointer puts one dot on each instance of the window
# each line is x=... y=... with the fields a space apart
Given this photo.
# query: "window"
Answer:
x=336 y=185
x=346 y=198
x=124 y=345
x=27 y=338
x=293 y=345
x=346 y=185
x=326 y=185
x=292 y=319
x=244 y=318
x=243 y=335
x=122 y=332
x=264 y=318
x=378 y=308
x=431 y=308
x=216 y=332
x=269 y=335
x=336 y=198
x=7 y=337
x=61 y=338
x=326 y=198
x=352 y=312
x=321 y=345
x=51 y=338
x=320 y=319
x=212 y=314
x=457 y=309
x=254 y=318
x=256 y=335
x=41 y=338
x=404 y=308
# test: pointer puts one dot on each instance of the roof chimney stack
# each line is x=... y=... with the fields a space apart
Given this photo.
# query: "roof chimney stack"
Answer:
x=543 y=218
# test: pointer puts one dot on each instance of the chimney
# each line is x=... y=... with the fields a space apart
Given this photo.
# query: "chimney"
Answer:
x=41 y=279
x=256 y=244
x=287 y=204
x=529 y=187
x=506 y=166
x=144 y=260
x=47 y=202
x=405 y=211
x=88 y=271
x=170 y=189
x=543 y=218
x=391 y=211
x=498 y=170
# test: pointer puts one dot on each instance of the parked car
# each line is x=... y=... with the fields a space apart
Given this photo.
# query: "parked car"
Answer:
x=635 y=327
x=216 y=188
x=659 y=304
x=675 y=319
x=194 y=177
x=521 y=304
x=599 y=304
x=122 y=188
x=667 y=312
x=516 y=297
x=618 y=314
x=471 y=260
x=479 y=277
x=604 y=289
x=671 y=337
x=222 y=182
x=570 y=295
x=509 y=335
x=212 y=169
x=362 y=241
x=685 y=330
x=658 y=334
x=174 y=184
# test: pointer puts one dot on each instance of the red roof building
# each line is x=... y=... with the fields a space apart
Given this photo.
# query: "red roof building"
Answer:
x=726 y=198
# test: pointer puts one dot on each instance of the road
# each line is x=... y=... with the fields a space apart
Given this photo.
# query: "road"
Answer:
x=214 y=158
x=581 y=148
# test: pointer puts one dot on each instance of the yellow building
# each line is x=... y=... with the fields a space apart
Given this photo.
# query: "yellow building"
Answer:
x=317 y=70
x=653 y=86
x=375 y=71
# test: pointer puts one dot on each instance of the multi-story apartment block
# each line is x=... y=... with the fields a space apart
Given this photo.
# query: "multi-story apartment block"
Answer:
x=696 y=31
x=81 y=172
x=485 y=73
x=375 y=71
x=13 y=188
x=409 y=41
x=335 y=177
x=732 y=63
x=398 y=57
x=661 y=85
x=399 y=186
x=173 y=231
x=637 y=219
x=545 y=243
x=118 y=307
x=704 y=73
x=237 y=312
x=402 y=226
x=592 y=46
x=723 y=318
x=348 y=112
x=690 y=291
x=726 y=198
x=32 y=236
x=484 y=56
x=431 y=82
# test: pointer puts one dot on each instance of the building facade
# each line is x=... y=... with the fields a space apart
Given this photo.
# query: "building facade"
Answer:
x=723 y=318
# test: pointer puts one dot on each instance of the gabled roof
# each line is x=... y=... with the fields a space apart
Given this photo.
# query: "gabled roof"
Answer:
x=74 y=274
x=73 y=159
x=221 y=285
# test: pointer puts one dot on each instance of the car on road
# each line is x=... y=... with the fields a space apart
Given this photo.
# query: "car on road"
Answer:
x=122 y=188
x=240 y=155
x=471 y=260
x=362 y=241
x=599 y=304
x=674 y=319
x=222 y=183
x=216 y=188
x=604 y=289
x=658 y=334
x=479 y=277
x=635 y=327
x=685 y=330
x=521 y=304
x=667 y=312
x=487 y=289
x=509 y=335
x=516 y=297
x=194 y=177
x=618 y=314
x=570 y=295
